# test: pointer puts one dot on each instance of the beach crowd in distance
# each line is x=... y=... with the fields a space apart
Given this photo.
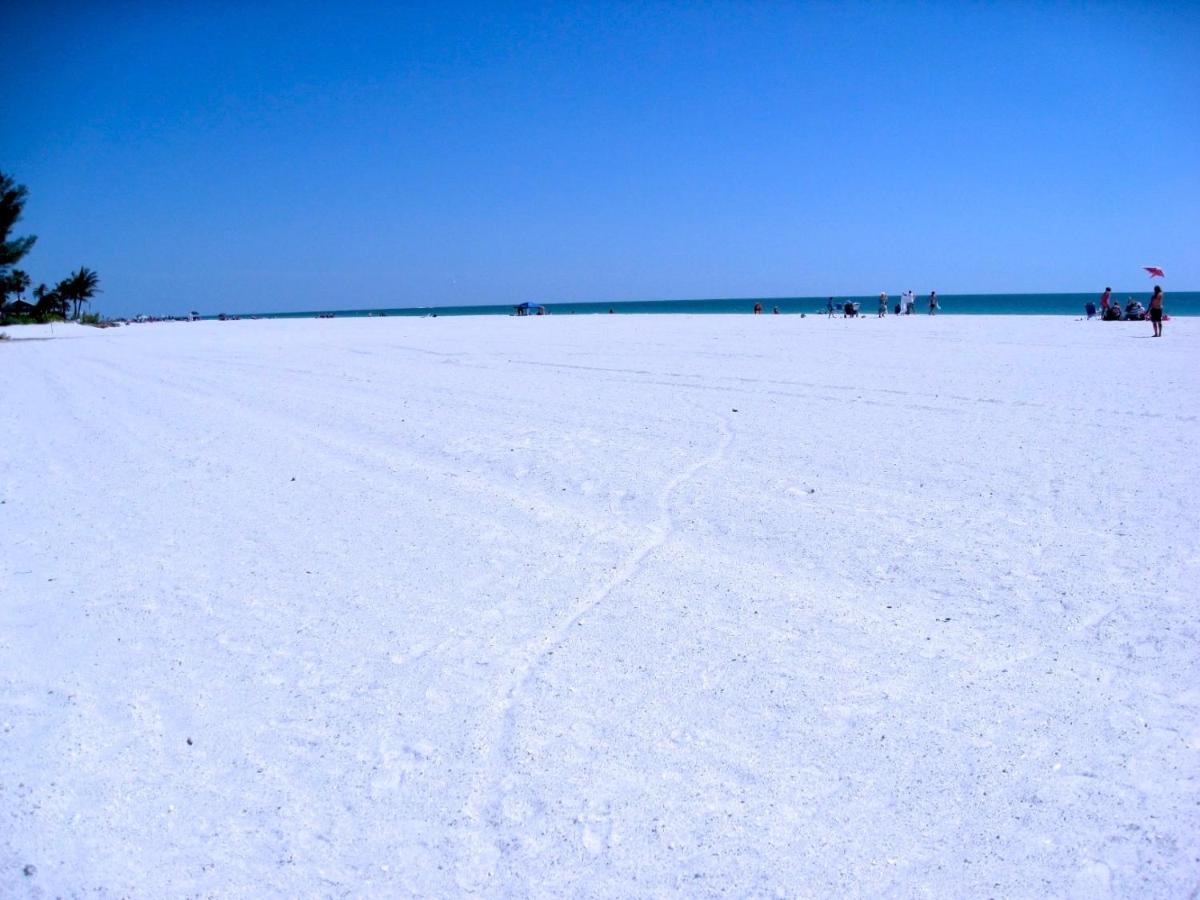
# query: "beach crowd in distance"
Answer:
x=1178 y=303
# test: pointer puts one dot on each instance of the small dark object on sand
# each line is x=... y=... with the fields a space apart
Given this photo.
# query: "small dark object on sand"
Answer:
x=189 y=742
x=735 y=410
x=30 y=870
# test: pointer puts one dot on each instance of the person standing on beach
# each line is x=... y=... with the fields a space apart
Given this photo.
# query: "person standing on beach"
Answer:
x=758 y=309
x=1105 y=298
x=829 y=307
x=910 y=303
x=1156 y=310
x=933 y=304
x=882 y=305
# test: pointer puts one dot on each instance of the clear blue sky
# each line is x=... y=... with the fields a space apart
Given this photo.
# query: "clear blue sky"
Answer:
x=205 y=156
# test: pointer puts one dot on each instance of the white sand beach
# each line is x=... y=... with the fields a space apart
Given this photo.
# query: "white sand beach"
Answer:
x=601 y=606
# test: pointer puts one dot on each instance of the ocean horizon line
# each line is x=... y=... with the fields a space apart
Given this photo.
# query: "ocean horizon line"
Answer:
x=1179 y=303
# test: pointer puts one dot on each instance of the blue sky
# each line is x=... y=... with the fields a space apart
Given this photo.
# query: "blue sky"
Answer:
x=213 y=157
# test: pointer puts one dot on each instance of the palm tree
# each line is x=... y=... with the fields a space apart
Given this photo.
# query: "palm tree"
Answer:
x=18 y=283
x=79 y=288
x=49 y=303
x=65 y=292
x=13 y=282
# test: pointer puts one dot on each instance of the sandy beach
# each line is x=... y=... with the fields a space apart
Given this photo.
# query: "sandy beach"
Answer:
x=601 y=606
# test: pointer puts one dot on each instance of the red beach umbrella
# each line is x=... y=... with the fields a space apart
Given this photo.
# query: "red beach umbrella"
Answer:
x=1155 y=271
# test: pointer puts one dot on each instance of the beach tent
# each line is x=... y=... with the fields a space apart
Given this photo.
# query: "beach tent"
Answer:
x=526 y=309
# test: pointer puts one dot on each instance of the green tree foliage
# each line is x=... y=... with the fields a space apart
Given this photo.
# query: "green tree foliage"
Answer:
x=12 y=202
x=49 y=303
x=19 y=282
x=14 y=282
x=75 y=290
x=79 y=288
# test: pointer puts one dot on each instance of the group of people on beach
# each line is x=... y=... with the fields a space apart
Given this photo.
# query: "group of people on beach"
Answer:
x=906 y=305
x=1111 y=310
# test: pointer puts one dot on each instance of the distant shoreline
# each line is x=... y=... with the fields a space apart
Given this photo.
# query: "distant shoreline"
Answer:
x=1180 y=303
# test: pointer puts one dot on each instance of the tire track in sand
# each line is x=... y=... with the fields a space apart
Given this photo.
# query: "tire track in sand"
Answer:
x=478 y=864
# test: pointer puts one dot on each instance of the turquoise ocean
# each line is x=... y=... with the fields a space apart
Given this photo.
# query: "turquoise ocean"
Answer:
x=1181 y=303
